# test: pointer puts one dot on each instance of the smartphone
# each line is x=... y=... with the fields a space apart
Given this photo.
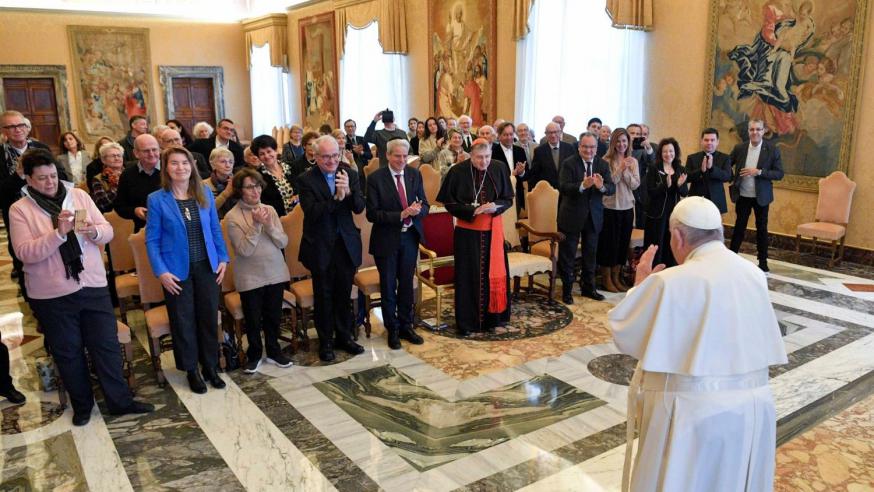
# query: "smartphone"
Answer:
x=637 y=143
x=80 y=217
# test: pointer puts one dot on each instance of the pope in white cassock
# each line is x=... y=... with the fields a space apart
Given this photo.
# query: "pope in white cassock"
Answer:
x=704 y=333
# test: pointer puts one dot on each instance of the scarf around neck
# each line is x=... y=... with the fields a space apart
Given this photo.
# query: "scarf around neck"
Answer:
x=71 y=253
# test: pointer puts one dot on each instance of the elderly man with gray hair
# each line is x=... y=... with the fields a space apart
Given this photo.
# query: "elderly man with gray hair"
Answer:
x=704 y=333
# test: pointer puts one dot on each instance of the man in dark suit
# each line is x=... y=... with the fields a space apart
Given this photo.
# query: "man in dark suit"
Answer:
x=356 y=144
x=708 y=170
x=756 y=165
x=548 y=158
x=396 y=204
x=224 y=137
x=331 y=244
x=583 y=182
x=170 y=138
x=467 y=138
x=594 y=127
x=514 y=157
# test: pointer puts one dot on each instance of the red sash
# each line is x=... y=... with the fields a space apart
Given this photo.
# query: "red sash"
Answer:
x=497 y=269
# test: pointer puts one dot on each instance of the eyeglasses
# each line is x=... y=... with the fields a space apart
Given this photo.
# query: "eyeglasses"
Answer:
x=20 y=126
x=329 y=156
x=552 y=132
x=252 y=187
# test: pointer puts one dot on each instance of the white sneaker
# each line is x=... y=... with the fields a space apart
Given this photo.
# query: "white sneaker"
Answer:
x=252 y=366
x=280 y=361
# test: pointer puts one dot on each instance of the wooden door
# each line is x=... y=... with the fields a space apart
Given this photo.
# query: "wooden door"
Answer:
x=35 y=99
x=194 y=101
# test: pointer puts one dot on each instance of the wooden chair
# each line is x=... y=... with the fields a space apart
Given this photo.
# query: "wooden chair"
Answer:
x=300 y=296
x=121 y=262
x=431 y=183
x=151 y=293
x=366 y=279
x=832 y=216
x=527 y=264
x=231 y=303
x=371 y=166
x=436 y=266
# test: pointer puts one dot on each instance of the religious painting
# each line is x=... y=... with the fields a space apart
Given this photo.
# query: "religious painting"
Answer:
x=318 y=73
x=112 y=78
x=462 y=51
x=795 y=65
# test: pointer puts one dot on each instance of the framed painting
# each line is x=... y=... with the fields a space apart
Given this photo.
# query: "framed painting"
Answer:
x=318 y=74
x=462 y=53
x=793 y=64
x=112 y=78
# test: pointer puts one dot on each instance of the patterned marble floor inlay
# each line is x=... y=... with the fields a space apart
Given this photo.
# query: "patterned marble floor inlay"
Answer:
x=50 y=464
x=428 y=431
x=29 y=416
x=614 y=368
x=532 y=315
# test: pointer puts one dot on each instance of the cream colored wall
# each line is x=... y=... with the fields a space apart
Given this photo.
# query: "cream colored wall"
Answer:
x=41 y=39
x=417 y=43
x=677 y=55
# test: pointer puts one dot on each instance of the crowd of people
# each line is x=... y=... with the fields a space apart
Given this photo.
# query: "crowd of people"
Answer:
x=180 y=187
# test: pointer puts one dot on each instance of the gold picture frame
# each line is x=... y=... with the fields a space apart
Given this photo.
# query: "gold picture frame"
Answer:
x=462 y=54
x=318 y=72
x=112 y=78
x=795 y=64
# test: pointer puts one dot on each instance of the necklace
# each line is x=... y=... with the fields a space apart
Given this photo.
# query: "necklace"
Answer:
x=478 y=190
x=187 y=214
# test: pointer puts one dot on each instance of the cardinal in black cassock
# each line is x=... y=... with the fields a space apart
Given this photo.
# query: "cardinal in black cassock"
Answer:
x=476 y=194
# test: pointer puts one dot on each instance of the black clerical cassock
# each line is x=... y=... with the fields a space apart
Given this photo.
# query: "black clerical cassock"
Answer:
x=482 y=287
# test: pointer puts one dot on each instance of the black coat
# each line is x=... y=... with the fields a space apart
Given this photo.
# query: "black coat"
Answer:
x=384 y=208
x=518 y=156
x=770 y=163
x=326 y=220
x=542 y=167
x=575 y=206
x=205 y=146
x=709 y=184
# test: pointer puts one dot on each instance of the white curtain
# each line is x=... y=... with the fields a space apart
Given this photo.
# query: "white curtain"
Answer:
x=271 y=93
x=371 y=81
x=573 y=63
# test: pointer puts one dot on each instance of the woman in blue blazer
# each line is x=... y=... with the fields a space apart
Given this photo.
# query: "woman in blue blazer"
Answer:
x=187 y=251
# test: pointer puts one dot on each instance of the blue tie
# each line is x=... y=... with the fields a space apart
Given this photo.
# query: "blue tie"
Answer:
x=331 y=185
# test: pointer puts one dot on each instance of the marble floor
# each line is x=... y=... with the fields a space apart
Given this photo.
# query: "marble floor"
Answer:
x=544 y=413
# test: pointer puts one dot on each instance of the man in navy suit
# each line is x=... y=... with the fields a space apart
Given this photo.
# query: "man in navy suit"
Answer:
x=708 y=170
x=396 y=204
x=356 y=144
x=756 y=165
x=548 y=158
x=583 y=182
x=331 y=244
x=224 y=137
x=514 y=157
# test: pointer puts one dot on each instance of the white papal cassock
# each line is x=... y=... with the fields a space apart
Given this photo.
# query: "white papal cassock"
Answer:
x=704 y=334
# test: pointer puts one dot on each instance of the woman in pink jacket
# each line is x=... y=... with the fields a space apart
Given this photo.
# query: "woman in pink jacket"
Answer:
x=66 y=284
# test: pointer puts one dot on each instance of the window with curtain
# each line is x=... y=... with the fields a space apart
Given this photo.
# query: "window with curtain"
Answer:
x=573 y=63
x=271 y=93
x=371 y=80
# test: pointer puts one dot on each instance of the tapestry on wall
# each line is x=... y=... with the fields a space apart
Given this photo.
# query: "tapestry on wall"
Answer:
x=462 y=51
x=112 y=78
x=319 y=94
x=794 y=65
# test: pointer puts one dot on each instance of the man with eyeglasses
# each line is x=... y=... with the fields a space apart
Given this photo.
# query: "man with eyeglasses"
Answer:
x=584 y=180
x=330 y=246
x=16 y=130
x=137 y=181
x=171 y=138
x=564 y=137
x=548 y=157
x=224 y=138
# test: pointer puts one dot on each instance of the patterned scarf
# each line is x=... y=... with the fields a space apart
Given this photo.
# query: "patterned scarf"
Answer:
x=71 y=253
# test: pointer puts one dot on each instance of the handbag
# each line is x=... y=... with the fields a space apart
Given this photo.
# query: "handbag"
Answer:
x=229 y=350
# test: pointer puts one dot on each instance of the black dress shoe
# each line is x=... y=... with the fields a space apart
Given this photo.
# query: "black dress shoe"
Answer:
x=212 y=376
x=411 y=336
x=567 y=299
x=350 y=347
x=593 y=294
x=763 y=266
x=195 y=382
x=327 y=355
x=81 y=418
x=394 y=340
x=13 y=395
x=134 y=407
x=464 y=333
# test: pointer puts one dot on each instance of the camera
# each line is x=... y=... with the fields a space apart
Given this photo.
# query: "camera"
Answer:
x=637 y=143
x=388 y=116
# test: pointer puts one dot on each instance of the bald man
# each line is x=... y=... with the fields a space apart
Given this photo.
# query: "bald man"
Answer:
x=139 y=179
x=170 y=137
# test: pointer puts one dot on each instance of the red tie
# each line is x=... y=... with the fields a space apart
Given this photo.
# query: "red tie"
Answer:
x=403 y=196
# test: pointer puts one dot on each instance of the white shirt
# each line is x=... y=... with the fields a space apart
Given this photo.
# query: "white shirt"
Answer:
x=75 y=161
x=748 y=183
x=221 y=145
x=508 y=155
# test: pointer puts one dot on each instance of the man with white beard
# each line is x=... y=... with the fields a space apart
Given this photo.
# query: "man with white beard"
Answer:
x=704 y=334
